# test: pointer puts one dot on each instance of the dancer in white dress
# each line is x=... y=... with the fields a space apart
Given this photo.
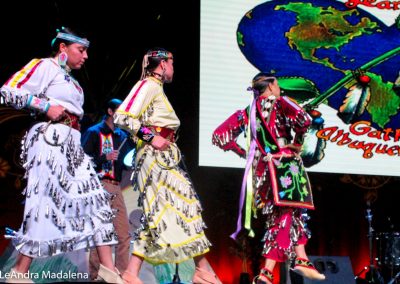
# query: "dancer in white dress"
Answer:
x=66 y=208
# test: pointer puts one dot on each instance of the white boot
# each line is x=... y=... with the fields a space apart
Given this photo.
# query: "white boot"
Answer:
x=305 y=268
x=109 y=276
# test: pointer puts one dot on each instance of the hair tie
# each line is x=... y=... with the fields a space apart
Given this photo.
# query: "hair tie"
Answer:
x=255 y=92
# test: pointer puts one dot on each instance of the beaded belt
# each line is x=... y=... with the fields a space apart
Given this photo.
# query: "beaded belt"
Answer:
x=70 y=120
x=167 y=133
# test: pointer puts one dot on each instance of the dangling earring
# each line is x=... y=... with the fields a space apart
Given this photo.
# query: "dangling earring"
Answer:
x=62 y=59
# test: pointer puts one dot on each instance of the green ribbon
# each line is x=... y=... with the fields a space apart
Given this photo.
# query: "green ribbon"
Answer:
x=249 y=190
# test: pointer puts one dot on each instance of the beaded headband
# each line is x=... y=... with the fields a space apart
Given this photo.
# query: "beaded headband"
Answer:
x=158 y=53
x=72 y=38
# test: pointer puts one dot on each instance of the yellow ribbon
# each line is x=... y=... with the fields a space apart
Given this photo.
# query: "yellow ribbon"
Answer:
x=249 y=189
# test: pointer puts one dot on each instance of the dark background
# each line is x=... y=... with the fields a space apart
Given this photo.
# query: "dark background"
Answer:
x=120 y=32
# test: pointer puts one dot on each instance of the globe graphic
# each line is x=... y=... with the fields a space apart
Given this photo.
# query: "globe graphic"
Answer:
x=323 y=41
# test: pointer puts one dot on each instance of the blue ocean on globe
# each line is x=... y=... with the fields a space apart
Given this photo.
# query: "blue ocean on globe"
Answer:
x=263 y=39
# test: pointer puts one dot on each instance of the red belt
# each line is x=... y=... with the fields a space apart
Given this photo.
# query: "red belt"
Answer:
x=167 y=133
x=68 y=119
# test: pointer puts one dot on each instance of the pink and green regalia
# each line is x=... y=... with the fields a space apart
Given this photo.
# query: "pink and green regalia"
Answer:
x=275 y=180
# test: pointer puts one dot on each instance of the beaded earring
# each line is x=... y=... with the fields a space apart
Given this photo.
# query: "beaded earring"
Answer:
x=62 y=59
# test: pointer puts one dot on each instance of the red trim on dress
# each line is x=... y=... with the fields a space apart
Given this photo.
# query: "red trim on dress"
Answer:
x=28 y=76
x=134 y=96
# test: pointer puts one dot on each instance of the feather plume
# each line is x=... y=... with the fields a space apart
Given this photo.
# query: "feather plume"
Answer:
x=312 y=151
x=355 y=102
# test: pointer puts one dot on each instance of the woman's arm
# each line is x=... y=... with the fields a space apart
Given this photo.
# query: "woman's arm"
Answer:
x=226 y=134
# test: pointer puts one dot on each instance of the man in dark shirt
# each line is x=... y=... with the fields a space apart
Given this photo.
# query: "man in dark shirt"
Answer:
x=107 y=145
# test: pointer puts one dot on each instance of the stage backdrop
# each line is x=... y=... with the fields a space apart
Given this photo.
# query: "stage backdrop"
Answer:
x=338 y=59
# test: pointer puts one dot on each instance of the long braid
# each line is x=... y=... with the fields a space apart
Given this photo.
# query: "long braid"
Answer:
x=145 y=63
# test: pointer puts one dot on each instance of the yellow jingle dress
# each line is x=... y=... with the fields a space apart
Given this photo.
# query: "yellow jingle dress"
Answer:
x=171 y=225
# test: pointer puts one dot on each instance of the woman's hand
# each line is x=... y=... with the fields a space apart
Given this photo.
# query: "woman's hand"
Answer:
x=55 y=112
x=160 y=143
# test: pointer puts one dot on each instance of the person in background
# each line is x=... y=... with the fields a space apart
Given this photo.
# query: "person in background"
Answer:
x=172 y=225
x=108 y=145
x=66 y=208
x=275 y=178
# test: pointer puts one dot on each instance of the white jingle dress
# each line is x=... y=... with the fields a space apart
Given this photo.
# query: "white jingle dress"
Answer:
x=66 y=207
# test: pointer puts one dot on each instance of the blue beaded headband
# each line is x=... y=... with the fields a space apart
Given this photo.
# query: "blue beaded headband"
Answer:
x=72 y=38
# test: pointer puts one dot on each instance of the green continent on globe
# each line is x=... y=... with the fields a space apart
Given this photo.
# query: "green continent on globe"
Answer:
x=384 y=101
x=319 y=27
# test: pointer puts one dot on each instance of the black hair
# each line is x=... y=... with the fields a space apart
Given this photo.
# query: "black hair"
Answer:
x=55 y=44
x=113 y=104
x=261 y=81
x=155 y=56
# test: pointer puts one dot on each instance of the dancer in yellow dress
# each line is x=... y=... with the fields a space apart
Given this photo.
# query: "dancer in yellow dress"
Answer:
x=172 y=226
